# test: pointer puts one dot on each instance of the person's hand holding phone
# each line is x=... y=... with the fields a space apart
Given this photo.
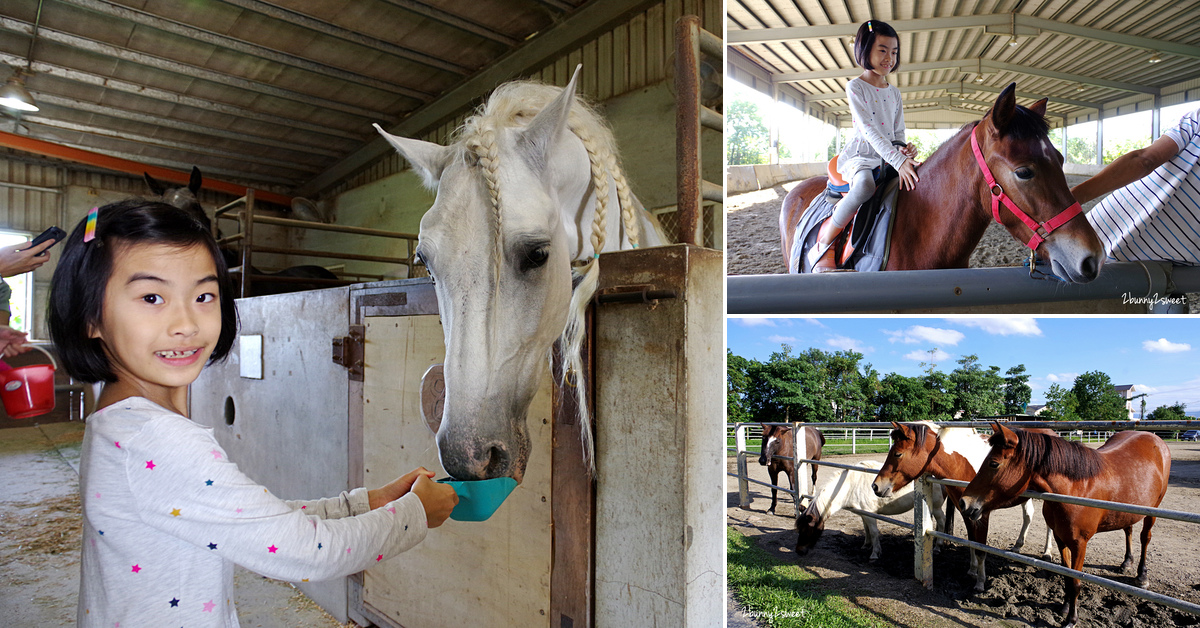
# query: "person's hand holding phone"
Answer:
x=16 y=259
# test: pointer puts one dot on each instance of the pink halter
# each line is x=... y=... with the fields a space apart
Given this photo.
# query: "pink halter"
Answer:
x=998 y=196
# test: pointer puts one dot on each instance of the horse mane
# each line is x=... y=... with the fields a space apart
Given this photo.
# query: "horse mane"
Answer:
x=515 y=104
x=1053 y=455
x=832 y=496
x=1025 y=125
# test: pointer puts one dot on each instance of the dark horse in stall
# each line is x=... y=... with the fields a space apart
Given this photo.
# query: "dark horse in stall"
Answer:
x=777 y=441
x=939 y=223
x=1130 y=468
x=186 y=199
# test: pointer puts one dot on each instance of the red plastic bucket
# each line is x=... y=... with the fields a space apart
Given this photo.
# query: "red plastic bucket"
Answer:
x=28 y=391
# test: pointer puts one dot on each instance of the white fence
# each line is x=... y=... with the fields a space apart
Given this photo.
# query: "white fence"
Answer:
x=922 y=526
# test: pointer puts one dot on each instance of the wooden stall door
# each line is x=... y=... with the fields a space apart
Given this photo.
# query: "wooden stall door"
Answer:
x=492 y=573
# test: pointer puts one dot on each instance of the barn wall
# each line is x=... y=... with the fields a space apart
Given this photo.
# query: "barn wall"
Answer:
x=626 y=71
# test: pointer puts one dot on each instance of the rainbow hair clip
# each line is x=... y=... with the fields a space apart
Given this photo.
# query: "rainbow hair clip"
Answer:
x=89 y=231
x=870 y=28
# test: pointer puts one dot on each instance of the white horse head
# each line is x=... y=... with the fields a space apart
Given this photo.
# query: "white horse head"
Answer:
x=515 y=191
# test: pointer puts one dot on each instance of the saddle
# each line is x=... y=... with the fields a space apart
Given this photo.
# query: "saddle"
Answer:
x=863 y=245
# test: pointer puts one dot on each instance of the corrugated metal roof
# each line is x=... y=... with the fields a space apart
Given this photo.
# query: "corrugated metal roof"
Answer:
x=1084 y=55
x=272 y=95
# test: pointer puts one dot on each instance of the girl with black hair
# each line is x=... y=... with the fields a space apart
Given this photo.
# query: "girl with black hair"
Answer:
x=142 y=301
x=878 y=118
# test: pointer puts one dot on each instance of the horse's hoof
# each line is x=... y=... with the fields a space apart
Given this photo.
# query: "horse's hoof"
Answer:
x=1048 y=558
x=979 y=588
x=1144 y=582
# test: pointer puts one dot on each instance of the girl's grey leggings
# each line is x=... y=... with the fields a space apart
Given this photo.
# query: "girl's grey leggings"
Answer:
x=862 y=186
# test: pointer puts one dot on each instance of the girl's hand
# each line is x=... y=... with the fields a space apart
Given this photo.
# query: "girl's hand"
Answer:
x=910 y=150
x=12 y=342
x=908 y=174
x=438 y=500
x=397 y=488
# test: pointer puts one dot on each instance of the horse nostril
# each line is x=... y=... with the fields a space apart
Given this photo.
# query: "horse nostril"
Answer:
x=1090 y=266
x=497 y=461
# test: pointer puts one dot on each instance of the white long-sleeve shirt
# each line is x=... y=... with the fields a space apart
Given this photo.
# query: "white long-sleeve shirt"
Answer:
x=878 y=115
x=167 y=515
x=1157 y=217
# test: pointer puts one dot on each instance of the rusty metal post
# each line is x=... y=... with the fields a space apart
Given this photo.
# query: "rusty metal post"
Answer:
x=923 y=531
x=247 y=243
x=687 y=127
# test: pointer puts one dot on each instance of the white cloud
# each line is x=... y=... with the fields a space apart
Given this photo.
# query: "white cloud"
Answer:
x=814 y=321
x=756 y=322
x=1062 y=378
x=1163 y=345
x=847 y=344
x=781 y=339
x=1008 y=326
x=923 y=356
x=920 y=334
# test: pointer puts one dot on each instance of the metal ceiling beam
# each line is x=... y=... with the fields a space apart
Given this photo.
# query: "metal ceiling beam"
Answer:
x=450 y=19
x=581 y=25
x=1074 y=78
x=179 y=125
x=967 y=88
x=184 y=69
x=244 y=47
x=130 y=166
x=174 y=98
x=557 y=5
x=321 y=26
x=184 y=166
x=201 y=149
x=966 y=65
x=998 y=24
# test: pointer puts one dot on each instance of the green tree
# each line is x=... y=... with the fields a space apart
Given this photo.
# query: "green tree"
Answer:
x=901 y=399
x=1112 y=151
x=940 y=395
x=977 y=392
x=746 y=136
x=1174 y=412
x=737 y=382
x=1080 y=151
x=1016 y=390
x=1097 y=399
x=1061 y=404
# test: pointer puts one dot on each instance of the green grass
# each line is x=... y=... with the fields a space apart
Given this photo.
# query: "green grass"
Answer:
x=781 y=595
x=832 y=448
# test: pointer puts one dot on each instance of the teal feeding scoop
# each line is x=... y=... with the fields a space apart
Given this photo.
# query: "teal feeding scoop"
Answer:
x=478 y=499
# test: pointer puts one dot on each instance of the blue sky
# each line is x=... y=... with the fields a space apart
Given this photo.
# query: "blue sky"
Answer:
x=1157 y=355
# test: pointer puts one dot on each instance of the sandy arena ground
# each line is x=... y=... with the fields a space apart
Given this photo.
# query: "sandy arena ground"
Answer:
x=1017 y=595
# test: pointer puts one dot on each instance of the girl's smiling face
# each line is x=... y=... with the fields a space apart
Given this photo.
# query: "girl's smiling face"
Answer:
x=161 y=320
x=885 y=53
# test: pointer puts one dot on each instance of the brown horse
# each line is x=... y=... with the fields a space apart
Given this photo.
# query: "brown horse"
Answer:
x=939 y=223
x=777 y=441
x=949 y=453
x=1130 y=468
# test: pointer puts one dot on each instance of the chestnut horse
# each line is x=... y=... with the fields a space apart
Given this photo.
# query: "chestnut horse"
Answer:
x=1130 y=468
x=777 y=441
x=939 y=223
x=949 y=453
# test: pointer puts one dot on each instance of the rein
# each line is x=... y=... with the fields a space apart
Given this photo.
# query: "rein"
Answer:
x=998 y=197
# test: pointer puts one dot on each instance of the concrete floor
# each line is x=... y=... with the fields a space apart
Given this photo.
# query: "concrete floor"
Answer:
x=40 y=540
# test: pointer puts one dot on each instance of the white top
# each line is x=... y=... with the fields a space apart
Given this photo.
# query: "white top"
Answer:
x=1157 y=217
x=166 y=516
x=878 y=120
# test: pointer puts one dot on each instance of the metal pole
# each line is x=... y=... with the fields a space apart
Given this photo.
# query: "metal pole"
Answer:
x=687 y=127
x=247 y=219
x=1133 y=282
x=922 y=532
x=798 y=448
x=739 y=434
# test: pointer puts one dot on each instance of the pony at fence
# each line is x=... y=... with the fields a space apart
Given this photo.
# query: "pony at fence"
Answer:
x=186 y=198
x=852 y=489
x=1130 y=468
x=939 y=223
x=777 y=440
x=530 y=186
x=951 y=453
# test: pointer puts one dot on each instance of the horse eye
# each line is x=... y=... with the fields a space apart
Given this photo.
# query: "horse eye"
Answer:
x=995 y=464
x=535 y=257
x=1024 y=174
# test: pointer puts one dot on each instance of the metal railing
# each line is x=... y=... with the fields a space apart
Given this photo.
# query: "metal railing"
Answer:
x=922 y=527
x=691 y=43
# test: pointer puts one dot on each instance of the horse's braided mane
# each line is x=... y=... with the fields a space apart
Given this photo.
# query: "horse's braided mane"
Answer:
x=1053 y=455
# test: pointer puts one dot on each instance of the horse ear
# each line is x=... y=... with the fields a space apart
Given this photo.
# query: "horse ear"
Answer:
x=1039 y=107
x=539 y=137
x=1005 y=108
x=155 y=186
x=196 y=182
x=427 y=158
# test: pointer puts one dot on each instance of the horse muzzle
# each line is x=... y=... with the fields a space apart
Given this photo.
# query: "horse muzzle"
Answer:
x=466 y=457
x=972 y=508
x=882 y=489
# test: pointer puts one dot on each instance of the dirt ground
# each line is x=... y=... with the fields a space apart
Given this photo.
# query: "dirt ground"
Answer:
x=1017 y=595
x=40 y=540
x=753 y=246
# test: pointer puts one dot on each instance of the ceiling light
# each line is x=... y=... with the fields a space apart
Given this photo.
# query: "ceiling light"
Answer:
x=979 y=79
x=1156 y=58
x=1079 y=87
x=14 y=95
x=1012 y=41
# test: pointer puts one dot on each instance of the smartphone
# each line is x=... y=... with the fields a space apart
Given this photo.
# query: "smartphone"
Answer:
x=53 y=233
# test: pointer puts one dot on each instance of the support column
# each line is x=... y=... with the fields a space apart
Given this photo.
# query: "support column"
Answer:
x=773 y=125
x=1100 y=138
x=1156 y=118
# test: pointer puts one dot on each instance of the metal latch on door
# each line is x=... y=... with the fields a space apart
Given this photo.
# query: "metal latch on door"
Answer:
x=348 y=351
